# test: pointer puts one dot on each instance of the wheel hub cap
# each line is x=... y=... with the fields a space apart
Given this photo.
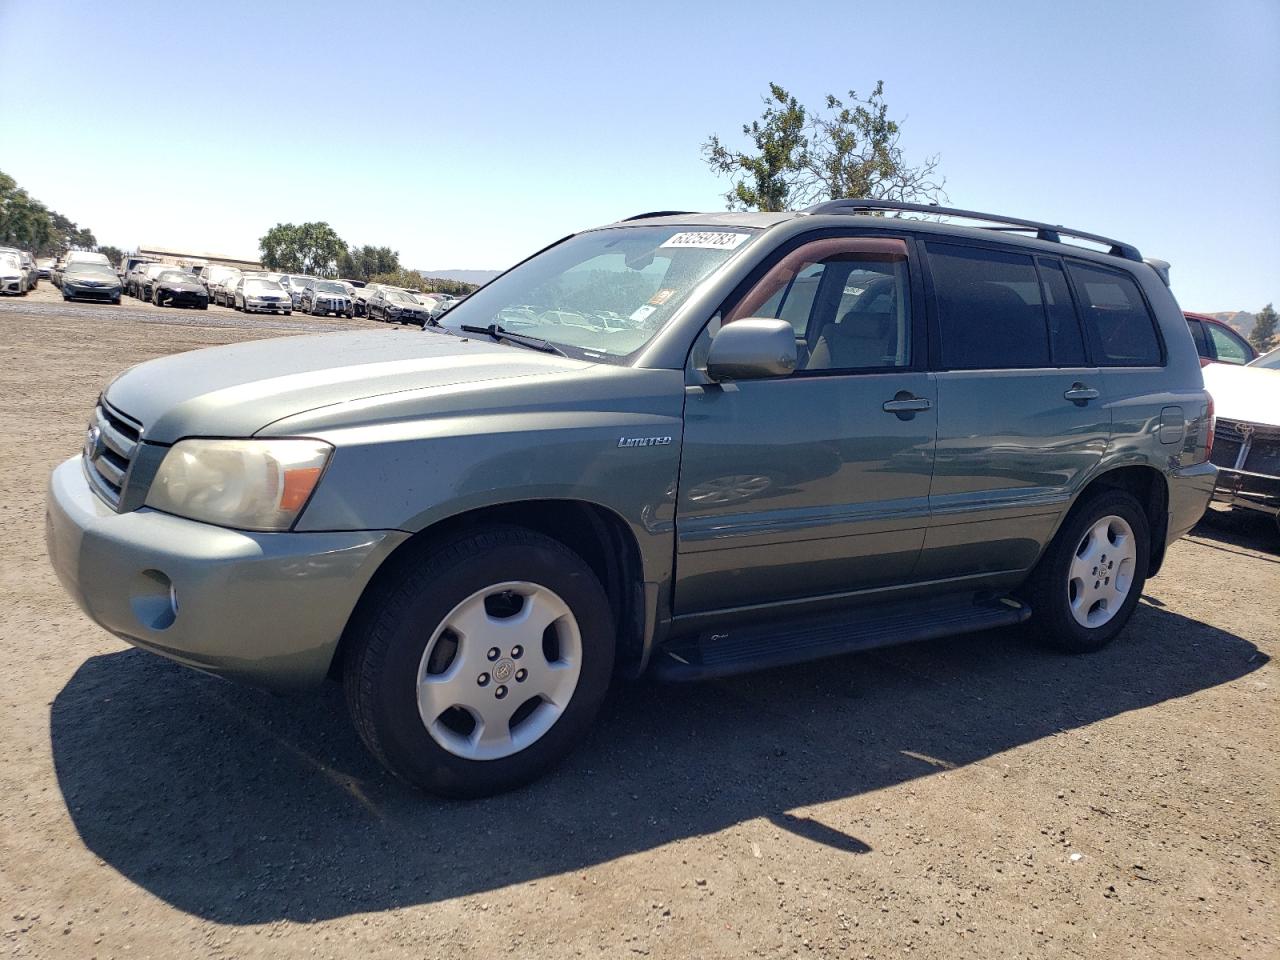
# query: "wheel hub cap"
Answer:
x=499 y=671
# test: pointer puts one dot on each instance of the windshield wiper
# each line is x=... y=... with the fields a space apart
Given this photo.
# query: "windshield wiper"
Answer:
x=522 y=339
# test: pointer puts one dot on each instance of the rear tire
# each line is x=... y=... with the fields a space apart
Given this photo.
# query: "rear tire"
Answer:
x=1087 y=584
x=516 y=713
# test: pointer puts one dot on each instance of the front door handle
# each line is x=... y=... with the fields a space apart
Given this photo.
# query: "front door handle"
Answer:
x=1080 y=394
x=906 y=405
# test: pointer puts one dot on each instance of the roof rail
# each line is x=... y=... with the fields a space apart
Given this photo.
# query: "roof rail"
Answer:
x=1043 y=231
x=657 y=213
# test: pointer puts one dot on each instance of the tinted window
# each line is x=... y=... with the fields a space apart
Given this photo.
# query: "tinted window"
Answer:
x=1197 y=334
x=1120 y=325
x=989 y=308
x=1230 y=348
x=1066 y=342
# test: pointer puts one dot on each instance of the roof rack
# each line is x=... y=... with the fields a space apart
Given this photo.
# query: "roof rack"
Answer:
x=657 y=213
x=1043 y=231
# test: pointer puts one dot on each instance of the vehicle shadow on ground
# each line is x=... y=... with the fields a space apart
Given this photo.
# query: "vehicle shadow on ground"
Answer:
x=241 y=807
x=1239 y=528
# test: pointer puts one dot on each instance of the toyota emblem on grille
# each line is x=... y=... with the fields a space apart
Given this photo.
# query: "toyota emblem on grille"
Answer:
x=92 y=443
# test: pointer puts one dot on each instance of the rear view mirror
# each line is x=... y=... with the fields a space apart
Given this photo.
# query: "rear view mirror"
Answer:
x=752 y=349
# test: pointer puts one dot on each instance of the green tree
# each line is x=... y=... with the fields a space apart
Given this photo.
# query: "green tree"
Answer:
x=362 y=263
x=114 y=254
x=309 y=248
x=1263 y=334
x=849 y=148
x=401 y=278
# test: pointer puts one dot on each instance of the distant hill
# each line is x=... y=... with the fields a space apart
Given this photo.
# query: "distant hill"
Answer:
x=466 y=276
x=1241 y=320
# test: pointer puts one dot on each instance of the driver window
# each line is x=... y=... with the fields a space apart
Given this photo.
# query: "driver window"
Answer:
x=847 y=299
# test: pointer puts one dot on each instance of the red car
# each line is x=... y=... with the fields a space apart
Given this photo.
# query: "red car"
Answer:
x=1216 y=342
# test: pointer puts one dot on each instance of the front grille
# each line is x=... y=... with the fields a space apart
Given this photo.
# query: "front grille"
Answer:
x=1245 y=446
x=1264 y=456
x=109 y=449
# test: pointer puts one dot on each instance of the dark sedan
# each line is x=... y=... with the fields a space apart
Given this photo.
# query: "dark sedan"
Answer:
x=90 y=281
x=398 y=307
x=177 y=288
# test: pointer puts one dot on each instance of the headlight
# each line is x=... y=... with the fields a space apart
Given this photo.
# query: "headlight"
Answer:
x=247 y=484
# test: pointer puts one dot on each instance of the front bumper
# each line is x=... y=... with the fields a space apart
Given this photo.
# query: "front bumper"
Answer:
x=266 y=608
x=11 y=285
x=182 y=298
x=90 y=293
x=1250 y=491
x=280 y=306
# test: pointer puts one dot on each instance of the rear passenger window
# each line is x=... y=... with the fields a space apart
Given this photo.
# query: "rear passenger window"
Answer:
x=1066 y=342
x=989 y=308
x=1120 y=325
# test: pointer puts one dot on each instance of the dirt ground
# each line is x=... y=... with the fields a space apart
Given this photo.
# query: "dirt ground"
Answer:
x=971 y=797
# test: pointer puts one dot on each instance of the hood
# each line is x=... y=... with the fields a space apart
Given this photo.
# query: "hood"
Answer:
x=1251 y=394
x=235 y=391
x=180 y=284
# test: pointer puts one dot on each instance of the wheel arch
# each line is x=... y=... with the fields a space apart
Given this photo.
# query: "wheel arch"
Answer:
x=597 y=534
x=1150 y=488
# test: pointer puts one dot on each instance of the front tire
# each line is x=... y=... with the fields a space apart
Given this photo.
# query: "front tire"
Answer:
x=1086 y=586
x=478 y=669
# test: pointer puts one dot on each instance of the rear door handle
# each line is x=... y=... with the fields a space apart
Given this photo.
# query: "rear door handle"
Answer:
x=905 y=404
x=1081 y=394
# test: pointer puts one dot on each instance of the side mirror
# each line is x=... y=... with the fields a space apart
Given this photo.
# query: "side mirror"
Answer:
x=752 y=349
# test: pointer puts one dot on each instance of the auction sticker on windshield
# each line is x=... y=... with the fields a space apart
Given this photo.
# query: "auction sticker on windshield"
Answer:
x=706 y=240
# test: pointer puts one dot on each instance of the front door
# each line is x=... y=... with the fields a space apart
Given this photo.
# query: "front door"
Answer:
x=815 y=484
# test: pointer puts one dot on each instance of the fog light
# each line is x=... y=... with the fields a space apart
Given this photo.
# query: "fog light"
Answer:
x=154 y=600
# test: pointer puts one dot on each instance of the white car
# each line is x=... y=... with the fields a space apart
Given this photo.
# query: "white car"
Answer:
x=260 y=295
x=1246 y=444
x=13 y=278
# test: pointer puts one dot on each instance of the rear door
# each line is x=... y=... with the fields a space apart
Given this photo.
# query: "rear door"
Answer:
x=813 y=485
x=1022 y=414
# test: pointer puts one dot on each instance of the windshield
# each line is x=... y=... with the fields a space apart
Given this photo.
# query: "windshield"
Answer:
x=395 y=296
x=603 y=293
x=1268 y=361
x=175 y=275
x=90 y=270
x=255 y=285
x=328 y=286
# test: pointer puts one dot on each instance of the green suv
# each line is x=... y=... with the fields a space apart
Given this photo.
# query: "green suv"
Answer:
x=694 y=444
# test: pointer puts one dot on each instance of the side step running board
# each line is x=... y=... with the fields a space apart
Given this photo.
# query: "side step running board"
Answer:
x=761 y=646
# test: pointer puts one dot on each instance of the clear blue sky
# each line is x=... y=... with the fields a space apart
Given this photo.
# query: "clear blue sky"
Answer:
x=468 y=134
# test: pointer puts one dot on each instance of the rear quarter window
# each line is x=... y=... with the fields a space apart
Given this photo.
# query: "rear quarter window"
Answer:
x=1120 y=324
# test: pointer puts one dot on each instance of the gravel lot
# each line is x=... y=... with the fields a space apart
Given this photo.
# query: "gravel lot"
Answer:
x=968 y=797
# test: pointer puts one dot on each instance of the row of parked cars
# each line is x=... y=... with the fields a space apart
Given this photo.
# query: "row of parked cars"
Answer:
x=264 y=291
x=18 y=272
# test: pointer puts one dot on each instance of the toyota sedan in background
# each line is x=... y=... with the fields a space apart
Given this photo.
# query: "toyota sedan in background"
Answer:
x=90 y=281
